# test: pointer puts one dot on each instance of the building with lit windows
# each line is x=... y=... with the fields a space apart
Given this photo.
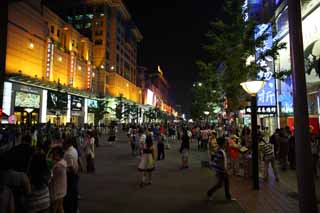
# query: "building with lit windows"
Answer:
x=279 y=93
x=156 y=90
x=115 y=38
x=49 y=71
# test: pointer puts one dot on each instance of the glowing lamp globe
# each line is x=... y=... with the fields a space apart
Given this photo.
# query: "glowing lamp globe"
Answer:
x=253 y=87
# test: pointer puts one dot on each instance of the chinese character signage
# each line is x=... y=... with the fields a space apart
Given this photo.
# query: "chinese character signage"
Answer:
x=266 y=96
x=263 y=110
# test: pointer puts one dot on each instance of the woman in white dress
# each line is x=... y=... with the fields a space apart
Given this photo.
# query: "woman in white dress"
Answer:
x=147 y=162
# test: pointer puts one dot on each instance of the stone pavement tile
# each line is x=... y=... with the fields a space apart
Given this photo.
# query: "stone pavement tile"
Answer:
x=272 y=196
x=114 y=188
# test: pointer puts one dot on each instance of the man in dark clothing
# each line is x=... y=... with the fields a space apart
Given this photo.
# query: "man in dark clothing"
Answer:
x=284 y=149
x=160 y=148
x=220 y=166
x=21 y=154
x=292 y=153
x=274 y=140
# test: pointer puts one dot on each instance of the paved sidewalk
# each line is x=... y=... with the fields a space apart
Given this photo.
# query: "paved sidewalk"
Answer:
x=272 y=197
x=114 y=188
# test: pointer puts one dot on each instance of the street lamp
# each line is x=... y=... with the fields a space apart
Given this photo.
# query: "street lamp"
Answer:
x=252 y=88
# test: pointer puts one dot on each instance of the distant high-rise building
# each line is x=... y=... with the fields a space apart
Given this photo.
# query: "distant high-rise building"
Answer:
x=115 y=38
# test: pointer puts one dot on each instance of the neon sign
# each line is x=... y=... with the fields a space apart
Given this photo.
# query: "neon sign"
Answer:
x=72 y=68
x=50 y=48
x=89 y=75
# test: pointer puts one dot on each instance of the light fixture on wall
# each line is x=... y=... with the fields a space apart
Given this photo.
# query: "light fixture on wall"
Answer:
x=31 y=44
x=59 y=58
x=79 y=68
x=28 y=110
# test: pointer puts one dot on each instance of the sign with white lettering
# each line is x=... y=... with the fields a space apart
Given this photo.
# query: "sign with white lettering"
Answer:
x=263 y=110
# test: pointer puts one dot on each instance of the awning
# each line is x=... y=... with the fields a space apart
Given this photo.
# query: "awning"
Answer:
x=49 y=85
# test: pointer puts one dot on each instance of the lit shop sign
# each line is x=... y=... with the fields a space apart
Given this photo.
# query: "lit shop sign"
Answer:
x=7 y=97
x=245 y=10
x=266 y=96
x=92 y=103
x=286 y=98
x=263 y=110
x=89 y=75
x=57 y=100
x=149 y=97
x=72 y=67
x=76 y=103
x=50 y=49
x=27 y=100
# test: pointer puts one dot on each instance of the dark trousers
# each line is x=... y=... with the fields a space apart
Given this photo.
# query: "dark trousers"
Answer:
x=222 y=179
x=161 y=154
x=70 y=202
x=315 y=159
x=90 y=164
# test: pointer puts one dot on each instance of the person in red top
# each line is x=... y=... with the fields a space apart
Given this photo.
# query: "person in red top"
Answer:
x=233 y=150
x=162 y=130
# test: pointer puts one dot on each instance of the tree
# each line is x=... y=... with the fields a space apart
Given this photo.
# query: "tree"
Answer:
x=207 y=93
x=231 y=41
x=101 y=110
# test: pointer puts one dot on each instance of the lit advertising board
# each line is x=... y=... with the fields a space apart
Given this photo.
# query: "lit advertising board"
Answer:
x=149 y=97
x=266 y=96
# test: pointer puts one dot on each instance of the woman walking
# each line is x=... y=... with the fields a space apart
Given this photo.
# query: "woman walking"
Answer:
x=147 y=162
x=90 y=153
x=184 y=149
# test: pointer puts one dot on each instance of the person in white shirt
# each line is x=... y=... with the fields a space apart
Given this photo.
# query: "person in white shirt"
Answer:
x=71 y=157
x=142 y=140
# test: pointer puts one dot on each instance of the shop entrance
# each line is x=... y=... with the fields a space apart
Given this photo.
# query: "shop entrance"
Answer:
x=27 y=116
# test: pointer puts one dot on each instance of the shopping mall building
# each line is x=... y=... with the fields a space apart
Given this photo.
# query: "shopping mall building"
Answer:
x=55 y=73
x=278 y=94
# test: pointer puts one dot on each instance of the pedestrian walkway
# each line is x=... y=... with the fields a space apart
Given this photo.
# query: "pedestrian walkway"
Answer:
x=272 y=197
x=115 y=186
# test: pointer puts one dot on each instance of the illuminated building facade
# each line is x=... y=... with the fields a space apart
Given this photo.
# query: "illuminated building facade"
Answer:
x=115 y=38
x=48 y=63
x=156 y=90
x=279 y=93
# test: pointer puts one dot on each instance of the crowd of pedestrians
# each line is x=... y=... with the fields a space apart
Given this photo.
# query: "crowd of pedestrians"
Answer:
x=43 y=166
x=41 y=170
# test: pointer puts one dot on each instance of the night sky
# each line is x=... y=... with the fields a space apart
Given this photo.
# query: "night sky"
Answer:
x=173 y=32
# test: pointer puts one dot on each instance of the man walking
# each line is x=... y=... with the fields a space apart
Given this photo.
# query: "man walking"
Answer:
x=269 y=159
x=220 y=166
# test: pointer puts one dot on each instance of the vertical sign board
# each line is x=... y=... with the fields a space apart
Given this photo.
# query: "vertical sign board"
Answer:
x=267 y=95
x=49 y=62
x=88 y=75
x=72 y=67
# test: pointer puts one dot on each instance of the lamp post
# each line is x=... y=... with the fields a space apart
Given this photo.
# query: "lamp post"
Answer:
x=252 y=88
x=306 y=185
x=206 y=114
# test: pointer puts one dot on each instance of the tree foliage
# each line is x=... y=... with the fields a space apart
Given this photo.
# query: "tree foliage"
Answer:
x=231 y=41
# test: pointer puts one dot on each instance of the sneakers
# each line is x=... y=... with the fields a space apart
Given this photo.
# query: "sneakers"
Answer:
x=232 y=199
